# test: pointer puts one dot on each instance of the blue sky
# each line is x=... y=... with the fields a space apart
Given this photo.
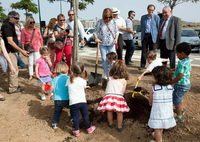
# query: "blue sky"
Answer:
x=187 y=11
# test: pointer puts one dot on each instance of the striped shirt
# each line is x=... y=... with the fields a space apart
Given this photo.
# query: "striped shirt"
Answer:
x=183 y=67
x=126 y=35
x=18 y=32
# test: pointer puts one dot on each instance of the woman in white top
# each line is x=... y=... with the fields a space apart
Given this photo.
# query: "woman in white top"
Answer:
x=5 y=54
x=50 y=38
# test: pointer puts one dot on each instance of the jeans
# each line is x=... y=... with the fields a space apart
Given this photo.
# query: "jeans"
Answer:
x=179 y=93
x=59 y=104
x=34 y=55
x=20 y=62
x=3 y=63
x=130 y=48
x=103 y=50
x=74 y=111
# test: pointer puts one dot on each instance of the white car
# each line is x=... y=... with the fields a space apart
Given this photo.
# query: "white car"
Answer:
x=88 y=34
x=137 y=36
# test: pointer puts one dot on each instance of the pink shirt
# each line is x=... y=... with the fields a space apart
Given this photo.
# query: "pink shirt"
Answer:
x=43 y=69
x=26 y=38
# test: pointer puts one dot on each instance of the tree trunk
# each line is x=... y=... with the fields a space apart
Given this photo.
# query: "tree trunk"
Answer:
x=75 y=41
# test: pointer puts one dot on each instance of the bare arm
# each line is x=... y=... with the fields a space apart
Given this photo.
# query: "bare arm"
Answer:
x=36 y=70
x=124 y=86
x=146 y=71
x=151 y=97
x=130 y=31
x=14 y=45
x=179 y=77
x=50 y=92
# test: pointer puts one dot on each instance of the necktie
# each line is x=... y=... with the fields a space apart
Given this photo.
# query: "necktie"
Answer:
x=160 y=33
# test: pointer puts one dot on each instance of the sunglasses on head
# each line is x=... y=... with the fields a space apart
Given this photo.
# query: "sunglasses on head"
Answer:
x=62 y=20
x=16 y=18
x=109 y=17
x=71 y=14
x=32 y=22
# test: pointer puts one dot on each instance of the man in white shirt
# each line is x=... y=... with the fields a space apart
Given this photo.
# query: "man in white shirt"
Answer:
x=121 y=27
x=70 y=22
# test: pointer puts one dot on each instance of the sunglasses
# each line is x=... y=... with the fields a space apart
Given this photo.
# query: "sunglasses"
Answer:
x=62 y=20
x=16 y=18
x=133 y=14
x=32 y=22
x=109 y=17
x=71 y=14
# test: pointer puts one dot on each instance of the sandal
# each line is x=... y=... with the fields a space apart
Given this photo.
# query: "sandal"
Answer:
x=2 y=99
x=120 y=129
x=110 y=126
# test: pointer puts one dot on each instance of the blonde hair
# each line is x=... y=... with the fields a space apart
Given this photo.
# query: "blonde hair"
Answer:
x=61 y=68
x=59 y=16
x=44 y=50
x=27 y=23
x=78 y=71
x=151 y=55
x=107 y=12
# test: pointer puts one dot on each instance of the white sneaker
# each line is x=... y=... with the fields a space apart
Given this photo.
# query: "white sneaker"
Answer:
x=43 y=97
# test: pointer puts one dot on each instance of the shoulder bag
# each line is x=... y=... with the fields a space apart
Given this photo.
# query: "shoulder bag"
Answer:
x=116 y=45
x=28 y=47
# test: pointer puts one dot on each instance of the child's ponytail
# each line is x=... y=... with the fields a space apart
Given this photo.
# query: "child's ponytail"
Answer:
x=78 y=71
x=71 y=78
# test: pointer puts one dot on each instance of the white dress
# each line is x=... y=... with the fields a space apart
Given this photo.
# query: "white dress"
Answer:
x=162 y=116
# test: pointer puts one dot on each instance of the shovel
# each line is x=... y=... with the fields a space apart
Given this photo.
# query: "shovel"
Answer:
x=137 y=89
x=94 y=77
x=47 y=86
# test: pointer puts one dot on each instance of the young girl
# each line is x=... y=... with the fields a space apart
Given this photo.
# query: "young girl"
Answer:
x=60 y=92
x=42 y=69
x=111 y=59
x=114 y=100
x=162 y=116
x=77 y=101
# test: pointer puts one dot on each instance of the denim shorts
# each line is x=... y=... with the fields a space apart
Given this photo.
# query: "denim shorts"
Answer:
x=179 y=93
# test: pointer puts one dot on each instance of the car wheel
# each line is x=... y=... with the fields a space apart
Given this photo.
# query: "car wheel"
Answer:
x=85 y=42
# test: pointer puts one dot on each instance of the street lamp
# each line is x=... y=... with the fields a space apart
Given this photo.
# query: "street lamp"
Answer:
x=39 y=15
x=61 y=4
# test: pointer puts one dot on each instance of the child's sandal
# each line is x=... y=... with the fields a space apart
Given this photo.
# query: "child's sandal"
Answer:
x=110 y=126
x=120 y=129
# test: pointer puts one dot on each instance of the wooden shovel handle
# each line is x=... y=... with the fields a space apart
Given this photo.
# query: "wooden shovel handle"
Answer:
x=41 y=80
x=97 y=52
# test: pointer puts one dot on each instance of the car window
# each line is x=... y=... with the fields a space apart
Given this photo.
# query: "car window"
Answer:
x=137 y=28
x=91 y=31
x=188 y=33
x=197 y=32
x=85 y=30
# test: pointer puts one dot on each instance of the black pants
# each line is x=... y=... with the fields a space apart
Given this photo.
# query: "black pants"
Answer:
x=147 y=44
x=165 y=53
x=120 y=47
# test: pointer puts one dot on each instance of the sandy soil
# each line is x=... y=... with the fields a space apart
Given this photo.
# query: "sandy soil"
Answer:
x=25 y=118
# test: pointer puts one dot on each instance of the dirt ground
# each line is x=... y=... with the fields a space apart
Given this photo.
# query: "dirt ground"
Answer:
x=25 y=118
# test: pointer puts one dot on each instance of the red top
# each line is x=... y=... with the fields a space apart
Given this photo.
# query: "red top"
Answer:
x=36 y=41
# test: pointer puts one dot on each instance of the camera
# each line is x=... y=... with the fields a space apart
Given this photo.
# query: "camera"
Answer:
x=67 y=30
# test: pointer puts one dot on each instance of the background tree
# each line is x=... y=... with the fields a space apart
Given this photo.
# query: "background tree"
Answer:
x=82 y=3
x=26 y=5
x=2 y=14
x=173 y=3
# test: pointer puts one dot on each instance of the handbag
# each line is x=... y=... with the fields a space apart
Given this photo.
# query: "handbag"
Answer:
x=58 y=44
x=116 y=45
x=29 y=47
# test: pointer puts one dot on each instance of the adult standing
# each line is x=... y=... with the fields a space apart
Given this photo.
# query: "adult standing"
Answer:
x=70 y=22
x=31 y=35
x=63 y=33
x=149 y=31
x=49 y=34
x=169 y=36
x=11 y=42
x=128 y=37
x=121 y=27
x=106 y=31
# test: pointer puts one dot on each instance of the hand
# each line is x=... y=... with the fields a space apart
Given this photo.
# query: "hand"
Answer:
x=13 y=70
x=47 y=58
x=50 y=35
x=134 y=32
x=97 y=40
x=82 y=42
x=115 y=41
x=49 y=97
x=25 y=53
x=139 y=78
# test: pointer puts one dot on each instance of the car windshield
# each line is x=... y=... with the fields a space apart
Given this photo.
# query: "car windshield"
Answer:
x=137 y=28
x=188 y=33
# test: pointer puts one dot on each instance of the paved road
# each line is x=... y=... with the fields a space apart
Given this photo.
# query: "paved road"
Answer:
x=91 y=52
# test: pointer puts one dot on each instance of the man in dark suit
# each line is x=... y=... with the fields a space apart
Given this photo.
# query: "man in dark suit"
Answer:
x=149 y=31
x=169 y=35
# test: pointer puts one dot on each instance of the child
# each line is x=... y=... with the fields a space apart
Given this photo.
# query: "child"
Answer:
x=160 y=99
x=77 y=100
x=60 y=92
x=42 y=69
x=5 y=56
x=111 y=59
x=153 y=62
x=114 y=100
x=181 y=78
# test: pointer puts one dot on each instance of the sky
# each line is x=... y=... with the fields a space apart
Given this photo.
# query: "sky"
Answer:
x=187 y=11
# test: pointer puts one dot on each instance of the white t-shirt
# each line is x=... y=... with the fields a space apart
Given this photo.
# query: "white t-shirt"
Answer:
x=120 y=22
x=155 y=63
x=76 y=91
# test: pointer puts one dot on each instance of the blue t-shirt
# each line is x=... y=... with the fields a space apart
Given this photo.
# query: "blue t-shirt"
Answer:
x=60 y=91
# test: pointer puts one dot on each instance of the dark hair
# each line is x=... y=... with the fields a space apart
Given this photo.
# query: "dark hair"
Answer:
x=12 y=14
x=151 y=55
x=150 y=6
x=119 y=71
x=183 y=47
x=130 y=12
x=162 y=75
x=112 y=56
x=78 y=70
